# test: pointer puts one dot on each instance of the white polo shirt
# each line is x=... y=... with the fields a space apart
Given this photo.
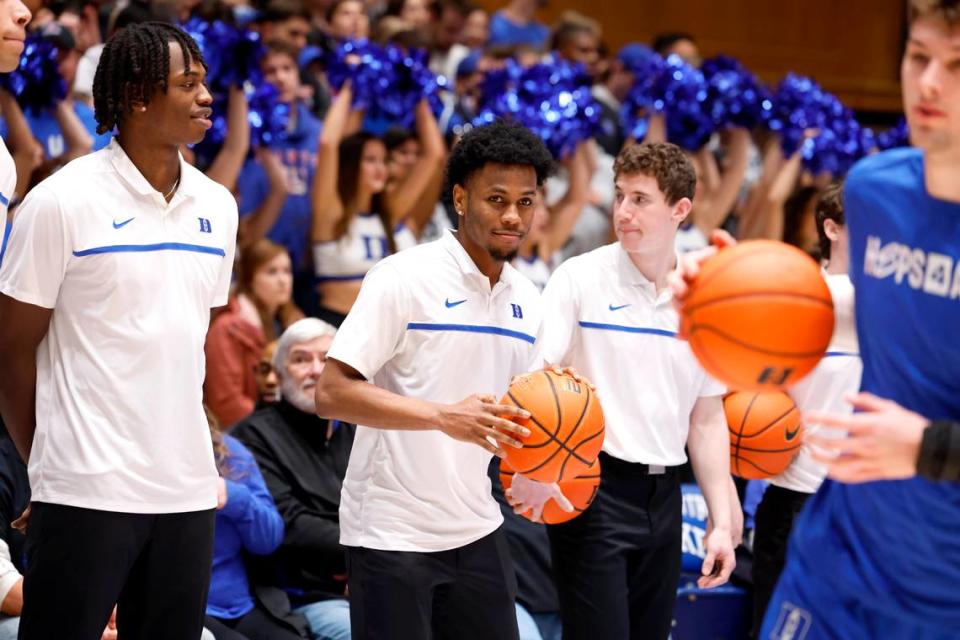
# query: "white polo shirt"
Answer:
x=131 y=280
x=603 y=317
x=428 y=325
x=8 y=183
x=824 y=388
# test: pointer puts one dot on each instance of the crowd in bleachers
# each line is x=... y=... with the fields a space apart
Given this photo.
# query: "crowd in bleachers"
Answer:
x=319 y=205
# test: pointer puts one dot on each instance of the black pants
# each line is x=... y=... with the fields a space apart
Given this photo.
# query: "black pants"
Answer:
x=776 y=514
x=82 y=562
x=617 y=565
x=462 y=594
x=255 y=625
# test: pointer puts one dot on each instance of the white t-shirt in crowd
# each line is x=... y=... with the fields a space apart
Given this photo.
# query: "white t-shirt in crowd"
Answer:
x=87 y=70
x=536 y=269
x=428 y=325
x=131 y=280
x=825 y=387
x=604 y=318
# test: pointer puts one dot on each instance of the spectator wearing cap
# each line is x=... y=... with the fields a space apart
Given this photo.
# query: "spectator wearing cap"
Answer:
x=515 y=24
x=612 y=90
x=303 y=459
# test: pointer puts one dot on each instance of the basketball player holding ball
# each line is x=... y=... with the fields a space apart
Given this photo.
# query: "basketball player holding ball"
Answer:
x=874 y=553
x=431 y=326
x=608 y=314
x=837 y=375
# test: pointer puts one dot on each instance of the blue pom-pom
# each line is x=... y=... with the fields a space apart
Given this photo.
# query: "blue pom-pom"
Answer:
x=388 y=82
x=267 y=115
x=816 y=123
x=232 y=55
x=677 y=90
x=898 y=136
x=734 y=95
x=36 y=82
x=552 y=100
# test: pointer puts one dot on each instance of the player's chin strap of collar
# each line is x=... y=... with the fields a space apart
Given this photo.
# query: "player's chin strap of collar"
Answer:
x=940 y=452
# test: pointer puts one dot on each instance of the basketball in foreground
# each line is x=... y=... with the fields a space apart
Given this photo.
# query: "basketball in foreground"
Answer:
x=566 y=426
x=765 y=432
x=580 y=491
x=758 y=315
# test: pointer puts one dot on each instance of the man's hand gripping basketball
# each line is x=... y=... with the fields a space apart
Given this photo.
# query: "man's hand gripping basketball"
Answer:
x=688 y=266
x=481 y=420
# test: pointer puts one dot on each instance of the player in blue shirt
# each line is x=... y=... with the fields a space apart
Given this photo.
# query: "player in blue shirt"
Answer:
x=874 y=554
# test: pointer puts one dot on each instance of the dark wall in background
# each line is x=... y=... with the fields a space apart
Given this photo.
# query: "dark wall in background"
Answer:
x=852 y=47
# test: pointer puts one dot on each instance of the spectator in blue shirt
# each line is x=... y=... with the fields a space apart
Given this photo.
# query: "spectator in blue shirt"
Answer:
x=247 y=521
x=296 y=153
x=516 y=25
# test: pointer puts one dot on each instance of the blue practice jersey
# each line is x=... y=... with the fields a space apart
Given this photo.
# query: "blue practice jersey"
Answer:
x=895 y=546
x=297 y=151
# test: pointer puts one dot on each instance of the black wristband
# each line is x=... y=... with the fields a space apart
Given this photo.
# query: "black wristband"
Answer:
x=939 y=457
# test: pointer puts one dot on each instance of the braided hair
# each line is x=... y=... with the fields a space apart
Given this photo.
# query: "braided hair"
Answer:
x=135 y=63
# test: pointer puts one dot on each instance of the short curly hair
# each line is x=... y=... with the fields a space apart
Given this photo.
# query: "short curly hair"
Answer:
x=947 y=10
x=666 y=162
x=500 y=142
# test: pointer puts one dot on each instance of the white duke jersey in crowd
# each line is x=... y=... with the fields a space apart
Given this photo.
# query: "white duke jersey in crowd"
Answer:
x=824 y=388
x=428 y=325
x=362 y=246
x=603 y=317
x=131 y=280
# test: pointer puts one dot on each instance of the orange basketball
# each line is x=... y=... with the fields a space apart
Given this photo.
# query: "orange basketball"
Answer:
x=759 y=315
x=580 y=491
x=765 y=432
x=566 y=426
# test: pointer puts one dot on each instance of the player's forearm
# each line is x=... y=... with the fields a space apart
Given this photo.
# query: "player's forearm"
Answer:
x=710 y=457
x=360 y=402
x=18 y=397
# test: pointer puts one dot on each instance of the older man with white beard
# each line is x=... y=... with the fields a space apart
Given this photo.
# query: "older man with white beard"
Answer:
x=303 y=459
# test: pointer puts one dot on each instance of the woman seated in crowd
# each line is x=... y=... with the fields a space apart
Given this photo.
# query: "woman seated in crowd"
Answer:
x=246 y=522
x=259 y=311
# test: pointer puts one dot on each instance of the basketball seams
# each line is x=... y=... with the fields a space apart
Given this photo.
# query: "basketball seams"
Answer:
x=551 y=438
x=755 y=450
x=756 y=294
x=780 y=354
x=766 y=472
x=576 y=427
x=769 y=425
x=556 y=401
x=747 y=250
x=743 y=422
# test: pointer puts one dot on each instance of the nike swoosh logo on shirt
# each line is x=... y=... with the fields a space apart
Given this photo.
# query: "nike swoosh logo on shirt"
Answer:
x=117 y=225
x=790 y=435
x=617 y=308
x=451 y=305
